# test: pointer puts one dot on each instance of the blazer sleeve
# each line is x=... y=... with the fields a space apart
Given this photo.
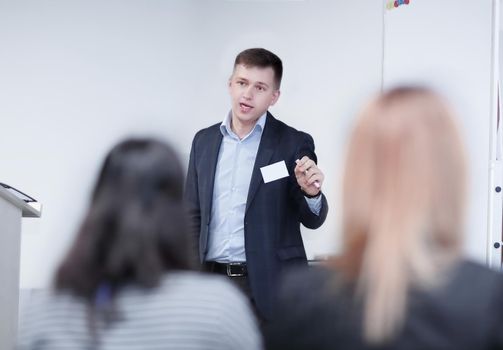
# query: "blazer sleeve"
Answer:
x=306 y=216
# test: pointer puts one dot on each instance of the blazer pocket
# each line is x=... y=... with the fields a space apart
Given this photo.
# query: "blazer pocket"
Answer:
x=294 y=252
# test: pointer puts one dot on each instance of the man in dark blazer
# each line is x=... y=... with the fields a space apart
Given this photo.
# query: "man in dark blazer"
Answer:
x=252 y=180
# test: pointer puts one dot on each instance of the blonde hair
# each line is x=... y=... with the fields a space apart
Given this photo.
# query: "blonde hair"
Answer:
x=404 y=195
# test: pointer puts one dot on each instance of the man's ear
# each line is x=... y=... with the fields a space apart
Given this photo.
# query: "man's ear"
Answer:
x=229 y=83
x=275 y=96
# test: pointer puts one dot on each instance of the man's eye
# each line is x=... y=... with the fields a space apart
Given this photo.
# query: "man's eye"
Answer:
x=241 y=83
x=260 y=88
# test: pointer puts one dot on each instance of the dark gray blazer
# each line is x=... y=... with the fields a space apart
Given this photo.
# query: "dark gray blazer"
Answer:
x=274 y=210
x=466 y=313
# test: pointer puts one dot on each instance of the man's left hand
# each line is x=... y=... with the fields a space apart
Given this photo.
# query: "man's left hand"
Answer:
x=309 y=176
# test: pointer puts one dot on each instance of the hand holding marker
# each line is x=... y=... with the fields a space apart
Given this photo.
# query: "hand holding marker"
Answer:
x=316 y=183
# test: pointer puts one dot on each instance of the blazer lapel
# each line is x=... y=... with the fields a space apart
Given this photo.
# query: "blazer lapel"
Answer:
x=211 y=156
x=265 y=151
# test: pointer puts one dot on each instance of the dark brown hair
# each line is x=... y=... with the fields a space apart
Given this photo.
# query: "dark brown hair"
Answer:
x=262 y=58
x=136 y=227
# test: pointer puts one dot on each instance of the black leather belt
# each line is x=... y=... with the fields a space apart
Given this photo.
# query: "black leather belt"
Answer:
x=233 y=269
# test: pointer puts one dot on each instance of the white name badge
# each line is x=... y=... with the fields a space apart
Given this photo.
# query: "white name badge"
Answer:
x=274 y=171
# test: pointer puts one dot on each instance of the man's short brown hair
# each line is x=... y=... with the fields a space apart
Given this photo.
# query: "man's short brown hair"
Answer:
x=262 y=58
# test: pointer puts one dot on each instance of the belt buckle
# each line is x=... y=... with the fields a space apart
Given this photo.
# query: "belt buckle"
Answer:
x=229 y=270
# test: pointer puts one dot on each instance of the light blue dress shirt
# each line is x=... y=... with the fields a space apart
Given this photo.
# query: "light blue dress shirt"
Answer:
x=232 y=180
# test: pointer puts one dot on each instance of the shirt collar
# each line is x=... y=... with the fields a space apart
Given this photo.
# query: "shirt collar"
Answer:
x=225 y=127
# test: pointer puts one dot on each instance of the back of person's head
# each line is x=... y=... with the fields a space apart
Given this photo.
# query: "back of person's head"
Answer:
x=135 y=228
x=261 y=58
x=404 y=197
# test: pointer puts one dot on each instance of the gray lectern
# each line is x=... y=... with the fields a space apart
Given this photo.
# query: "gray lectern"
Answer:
x=12 y=208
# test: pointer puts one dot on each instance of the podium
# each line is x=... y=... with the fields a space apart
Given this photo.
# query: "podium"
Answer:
x=13 y=207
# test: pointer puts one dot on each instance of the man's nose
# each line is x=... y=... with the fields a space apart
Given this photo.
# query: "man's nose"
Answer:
x=248 y=93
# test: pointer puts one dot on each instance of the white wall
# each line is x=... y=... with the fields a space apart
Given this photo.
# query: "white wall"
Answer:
x=79 y=75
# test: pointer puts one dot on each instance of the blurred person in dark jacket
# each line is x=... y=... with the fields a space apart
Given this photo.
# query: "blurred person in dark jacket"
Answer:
x=401 y=281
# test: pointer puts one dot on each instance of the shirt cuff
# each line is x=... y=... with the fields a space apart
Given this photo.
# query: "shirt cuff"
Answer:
x=314 y=204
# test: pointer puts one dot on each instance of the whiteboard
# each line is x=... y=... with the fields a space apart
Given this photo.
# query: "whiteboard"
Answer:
x=448 y=45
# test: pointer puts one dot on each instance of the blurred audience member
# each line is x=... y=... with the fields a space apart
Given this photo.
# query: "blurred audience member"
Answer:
x=127 y=282
x=401 y=281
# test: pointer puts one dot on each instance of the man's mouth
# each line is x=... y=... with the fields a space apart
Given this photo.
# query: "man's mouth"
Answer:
x=244 y=107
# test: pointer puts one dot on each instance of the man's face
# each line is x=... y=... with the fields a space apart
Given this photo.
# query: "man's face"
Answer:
x=252 y=91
